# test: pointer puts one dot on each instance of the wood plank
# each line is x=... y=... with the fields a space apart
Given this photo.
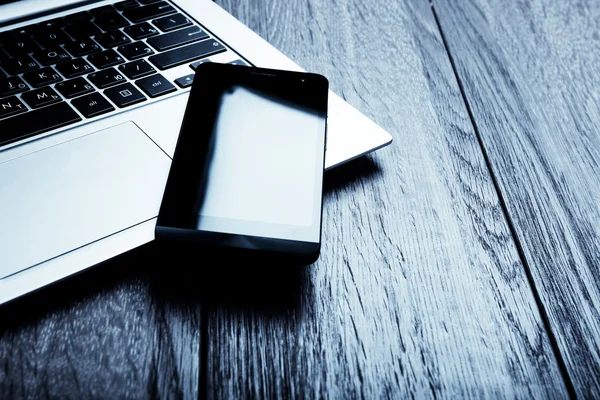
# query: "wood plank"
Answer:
x=530 y=73
x=419 y=290
x=117 y=331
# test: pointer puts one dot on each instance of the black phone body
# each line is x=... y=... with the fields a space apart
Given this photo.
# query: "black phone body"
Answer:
x=247 y=171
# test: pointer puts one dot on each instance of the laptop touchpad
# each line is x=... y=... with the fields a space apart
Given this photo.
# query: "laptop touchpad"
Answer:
x=66 y=196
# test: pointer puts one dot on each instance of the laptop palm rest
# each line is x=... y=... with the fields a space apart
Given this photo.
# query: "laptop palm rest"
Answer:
x=64 y=197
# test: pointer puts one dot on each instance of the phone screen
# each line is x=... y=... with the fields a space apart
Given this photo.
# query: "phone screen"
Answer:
x=253 y=149
x=263 y=177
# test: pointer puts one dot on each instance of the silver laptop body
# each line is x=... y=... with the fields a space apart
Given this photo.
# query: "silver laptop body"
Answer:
x=75 y=196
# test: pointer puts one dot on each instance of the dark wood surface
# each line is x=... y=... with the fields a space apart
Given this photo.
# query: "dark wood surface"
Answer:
x=429 y=284
x=531 y=75
x=419 y=290
x=122 y=330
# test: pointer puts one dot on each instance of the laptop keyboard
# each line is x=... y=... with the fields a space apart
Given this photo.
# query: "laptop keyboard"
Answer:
x=87 y=64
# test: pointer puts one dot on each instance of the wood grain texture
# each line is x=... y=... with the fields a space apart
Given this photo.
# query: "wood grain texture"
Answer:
x=118 y=331
x=419 y=290
x=531 y=74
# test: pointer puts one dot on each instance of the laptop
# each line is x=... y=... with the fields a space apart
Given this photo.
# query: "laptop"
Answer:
x=92 y=95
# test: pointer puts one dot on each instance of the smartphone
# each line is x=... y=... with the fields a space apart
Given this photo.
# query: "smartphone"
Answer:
x=247 y=172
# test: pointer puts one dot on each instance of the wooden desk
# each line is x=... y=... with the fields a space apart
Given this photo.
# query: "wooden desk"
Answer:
x=460 y=261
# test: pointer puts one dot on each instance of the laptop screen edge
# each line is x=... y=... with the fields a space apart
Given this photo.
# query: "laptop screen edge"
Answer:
x=13 y=11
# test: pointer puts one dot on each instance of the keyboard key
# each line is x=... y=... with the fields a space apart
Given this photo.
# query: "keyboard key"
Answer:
x=186 y=54
x=111 y=20
x=137 y=69
x=73 y=68
x=195 y=64
x=135 y=50
x=74 y=87
x=172 y=22
x=51 y=39
x=146 y=12
x=77 y=18
x=177 y=38
x=20 y=46
x=19 y=64
x=112 y=39
x=92 y=105
x=6 y=36
x=148 y=1
x=52 y=24
x=106 y=78
x=37 y=122
x=82 y=47
x=20 y=41
x=42 y=77
x=185 y=81
x=100 y=11
x=41 y=97
x=155 y=85
x=125 y=5
x=10 y=106
x=12 y=85
x=237 y=62
x=141 y=31
x=51 y=56
x=124 y=95
x=82 y=29
x=107 y=58
x=26 y=31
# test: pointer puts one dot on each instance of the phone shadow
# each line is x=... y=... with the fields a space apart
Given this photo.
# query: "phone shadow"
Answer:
x=362 y=169
x=230 y=282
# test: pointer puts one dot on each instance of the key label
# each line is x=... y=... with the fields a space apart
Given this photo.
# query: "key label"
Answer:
x=125 y=93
